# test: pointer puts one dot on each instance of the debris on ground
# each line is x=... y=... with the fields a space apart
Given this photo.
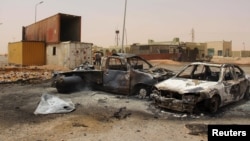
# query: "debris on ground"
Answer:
x=197 y=128
x=122 y=113
x=50 y=104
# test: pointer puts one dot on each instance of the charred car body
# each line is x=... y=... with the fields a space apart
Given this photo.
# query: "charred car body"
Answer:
x=119 y=73
x=203 y=86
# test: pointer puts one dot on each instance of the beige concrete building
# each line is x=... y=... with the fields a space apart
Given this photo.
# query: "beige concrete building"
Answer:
x=170 y=47
x=219 y=48
x=198 y=49
x=190 y=51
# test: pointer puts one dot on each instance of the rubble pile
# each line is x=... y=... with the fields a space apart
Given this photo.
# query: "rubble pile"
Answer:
x=8 y=75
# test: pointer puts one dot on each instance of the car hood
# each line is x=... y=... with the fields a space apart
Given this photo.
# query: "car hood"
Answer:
x=182 y=85
x=159 y=72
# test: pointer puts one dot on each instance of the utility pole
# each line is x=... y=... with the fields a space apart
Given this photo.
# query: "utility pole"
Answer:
x=36 y=8
x=117 y=37
x=124 y=21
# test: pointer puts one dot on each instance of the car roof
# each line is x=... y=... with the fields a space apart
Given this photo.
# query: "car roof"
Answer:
x=212 y=64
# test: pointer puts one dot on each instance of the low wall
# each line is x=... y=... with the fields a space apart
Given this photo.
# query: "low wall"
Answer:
x=159 y=56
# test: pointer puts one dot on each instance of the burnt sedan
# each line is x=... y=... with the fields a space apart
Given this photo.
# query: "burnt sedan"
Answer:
x=201 y=85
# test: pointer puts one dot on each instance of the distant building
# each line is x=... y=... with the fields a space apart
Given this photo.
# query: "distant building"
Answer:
x=158 y=50
x=182 y=51
x=219 y=48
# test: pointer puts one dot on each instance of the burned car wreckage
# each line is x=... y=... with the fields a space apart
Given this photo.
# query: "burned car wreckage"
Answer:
x=202 y=86
x=120 y=73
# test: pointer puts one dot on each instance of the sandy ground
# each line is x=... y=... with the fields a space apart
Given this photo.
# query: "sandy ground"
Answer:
x=101 y=116
x=95 y=117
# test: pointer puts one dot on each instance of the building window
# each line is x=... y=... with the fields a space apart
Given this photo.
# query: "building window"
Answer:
x=210 y=52
x=54 y=51
x=219 y=52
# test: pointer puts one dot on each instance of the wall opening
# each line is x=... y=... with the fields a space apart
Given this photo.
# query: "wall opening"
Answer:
x=54 y=51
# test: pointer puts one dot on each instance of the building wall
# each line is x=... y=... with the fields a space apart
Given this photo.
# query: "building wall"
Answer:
x=26 y=53
x=69 y=54
x=242 y=53
x=236 y=53
x=219 y=48
x=245 y=53
x=33 y=53
x=54 y=29
x=155 y=49
x=192 y=46
x=15 y=53
x=227 y=49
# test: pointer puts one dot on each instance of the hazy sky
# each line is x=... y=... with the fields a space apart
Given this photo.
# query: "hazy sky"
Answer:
x=160 y=20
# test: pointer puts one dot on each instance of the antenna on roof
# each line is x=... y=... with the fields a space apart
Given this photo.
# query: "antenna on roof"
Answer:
x=192 y=34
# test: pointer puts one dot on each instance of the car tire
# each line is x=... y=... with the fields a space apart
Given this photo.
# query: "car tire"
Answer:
x=62 y=91
x=214 y=103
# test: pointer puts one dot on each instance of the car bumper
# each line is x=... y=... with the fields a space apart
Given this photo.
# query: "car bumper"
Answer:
x=172 y=103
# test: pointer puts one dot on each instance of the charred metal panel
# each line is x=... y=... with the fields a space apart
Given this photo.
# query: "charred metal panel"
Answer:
x=57 y=28
x=77 y=80
x=116 y=81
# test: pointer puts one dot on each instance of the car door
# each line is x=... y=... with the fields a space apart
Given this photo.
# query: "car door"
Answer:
x=240 y=77
x=231 y=85
x=116 y=76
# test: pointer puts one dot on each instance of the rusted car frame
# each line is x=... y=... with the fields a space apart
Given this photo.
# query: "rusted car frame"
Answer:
x=119 y=73
x=201 y=85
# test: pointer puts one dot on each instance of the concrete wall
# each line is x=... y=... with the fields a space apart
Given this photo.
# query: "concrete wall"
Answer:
x=69 y=54
x=242 y=53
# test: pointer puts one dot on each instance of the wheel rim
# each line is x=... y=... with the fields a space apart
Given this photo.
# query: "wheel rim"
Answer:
x=142 y=93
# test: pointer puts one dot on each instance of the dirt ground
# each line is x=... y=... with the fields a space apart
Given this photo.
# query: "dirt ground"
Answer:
x=101 y=116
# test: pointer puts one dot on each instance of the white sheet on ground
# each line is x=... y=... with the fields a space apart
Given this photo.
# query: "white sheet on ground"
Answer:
x=51 y=104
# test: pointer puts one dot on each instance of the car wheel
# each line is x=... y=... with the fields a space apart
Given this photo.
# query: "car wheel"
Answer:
x=247 y=94
x=142 y=92
x=214 y=103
